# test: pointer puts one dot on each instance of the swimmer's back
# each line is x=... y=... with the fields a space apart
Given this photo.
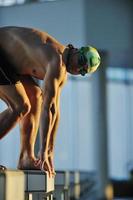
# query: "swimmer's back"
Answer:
x=29 y=49
x=29 y=36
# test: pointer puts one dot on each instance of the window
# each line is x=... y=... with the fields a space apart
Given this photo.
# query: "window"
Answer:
x=120 y=118
x=11 y=2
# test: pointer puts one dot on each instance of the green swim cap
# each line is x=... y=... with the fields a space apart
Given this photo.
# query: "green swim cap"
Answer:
x=92 y=58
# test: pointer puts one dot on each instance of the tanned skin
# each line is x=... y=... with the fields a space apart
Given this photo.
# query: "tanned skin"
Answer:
x=34 y=54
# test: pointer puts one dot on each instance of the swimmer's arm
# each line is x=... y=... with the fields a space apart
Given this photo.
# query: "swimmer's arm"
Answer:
x=55 y=125
x=49 y=111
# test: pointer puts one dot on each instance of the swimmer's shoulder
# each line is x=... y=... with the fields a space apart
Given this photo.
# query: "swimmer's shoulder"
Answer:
x=31 y=37
x=26 y=35
x=33 y=32
x=18 y=30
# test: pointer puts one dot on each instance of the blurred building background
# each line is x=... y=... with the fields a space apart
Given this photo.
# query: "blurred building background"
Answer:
x=96 y=131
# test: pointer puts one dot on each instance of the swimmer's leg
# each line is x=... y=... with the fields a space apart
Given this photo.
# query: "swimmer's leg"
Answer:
x=29 y=124
x=18 y=106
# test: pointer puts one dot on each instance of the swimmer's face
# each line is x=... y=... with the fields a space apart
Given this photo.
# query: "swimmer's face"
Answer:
x=75 y=64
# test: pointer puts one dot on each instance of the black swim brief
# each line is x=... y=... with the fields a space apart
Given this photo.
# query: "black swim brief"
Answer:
x=8 y=76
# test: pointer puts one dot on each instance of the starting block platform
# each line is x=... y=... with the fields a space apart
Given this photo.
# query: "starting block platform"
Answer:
x=37 y=185
x=62 y=185
x=75 y=185
x=25 y=185
x=11 y=185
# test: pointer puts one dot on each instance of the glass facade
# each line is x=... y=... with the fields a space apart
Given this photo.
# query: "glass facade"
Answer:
x=120 y=117
x=11 y=2
x=19 y=2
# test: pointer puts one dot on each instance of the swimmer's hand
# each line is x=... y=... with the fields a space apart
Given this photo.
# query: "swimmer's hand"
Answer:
x=43 y=162
x=51 y=161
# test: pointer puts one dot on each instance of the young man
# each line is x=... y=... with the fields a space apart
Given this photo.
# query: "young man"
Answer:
x=27 y=53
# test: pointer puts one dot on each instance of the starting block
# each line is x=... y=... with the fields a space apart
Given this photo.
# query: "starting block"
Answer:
x=75 y=185
x=38 y=185
x=25 y=185
x=88 y=185
x=11 y=185
x=62 y=185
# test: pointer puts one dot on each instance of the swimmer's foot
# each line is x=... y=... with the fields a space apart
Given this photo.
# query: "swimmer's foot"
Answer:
x=28 y=164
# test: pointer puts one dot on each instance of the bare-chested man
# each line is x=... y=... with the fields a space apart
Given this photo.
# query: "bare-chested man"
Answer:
x=26 y=53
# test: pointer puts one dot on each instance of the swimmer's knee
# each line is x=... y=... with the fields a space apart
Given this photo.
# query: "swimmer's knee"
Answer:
x=22 y=109
x=26 y=108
